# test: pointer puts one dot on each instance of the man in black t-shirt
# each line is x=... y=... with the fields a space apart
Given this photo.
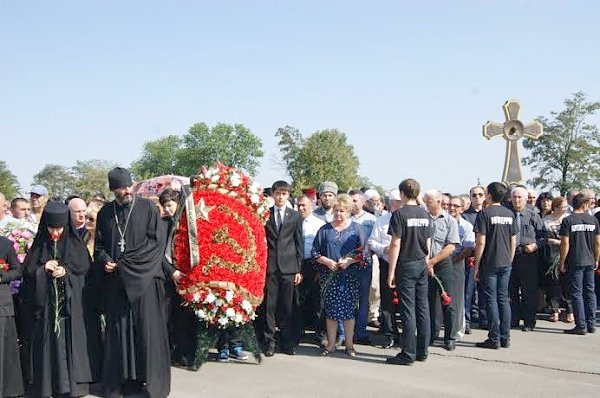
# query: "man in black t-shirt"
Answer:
x=579 y=255
x=410 y=228
x=495 y=241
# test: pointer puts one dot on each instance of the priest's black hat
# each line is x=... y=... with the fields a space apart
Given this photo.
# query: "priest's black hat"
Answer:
x=119 y=178
x=56 y=214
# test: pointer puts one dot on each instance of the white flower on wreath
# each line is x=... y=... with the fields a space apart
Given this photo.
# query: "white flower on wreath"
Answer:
x=196 y=297
x=235 y=179
x=230 y=312
x=254 y=198
x=246 y=306
x=228 y=296
x=223 y=321
x=219 y=302
x=201 y=314
x=254 y=187
x=210 y=298
x=238 y=318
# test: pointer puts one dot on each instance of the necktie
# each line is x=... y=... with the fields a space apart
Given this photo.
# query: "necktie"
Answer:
x=518 y=229
x=279 y=219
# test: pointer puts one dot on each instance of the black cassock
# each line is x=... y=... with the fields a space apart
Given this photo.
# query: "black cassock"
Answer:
x=11 y=381
x=137 y=346
x=63 y=357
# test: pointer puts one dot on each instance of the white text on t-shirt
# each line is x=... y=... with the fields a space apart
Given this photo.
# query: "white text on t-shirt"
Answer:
x=501 y=220
x=417 y=222
x=583 y=228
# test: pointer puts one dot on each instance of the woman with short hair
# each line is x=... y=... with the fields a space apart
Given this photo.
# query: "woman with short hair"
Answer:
x=335 y=248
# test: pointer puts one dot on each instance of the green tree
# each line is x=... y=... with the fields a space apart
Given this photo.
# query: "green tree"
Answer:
x=159 y=157
x=59 y=180
x=234 y=145
x=91 y=176
x=291 y=143
x=568 y=154
x=324 y=156
x=9 y=185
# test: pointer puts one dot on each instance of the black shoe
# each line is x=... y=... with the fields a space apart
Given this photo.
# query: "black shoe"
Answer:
x=494 y=345
x=362 y=341
x=290 y=351
x=388 y=343
x=504 y=343
x=270 y=350
x=422 y=358
x=374 y=324
x=468 y=330
x=399 y=360
x=591 y=330
x=450 y=345
x=577 y=331
x=527 y=329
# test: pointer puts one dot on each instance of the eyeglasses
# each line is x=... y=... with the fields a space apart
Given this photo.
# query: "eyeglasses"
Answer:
x=454 y=205
x=476 y=194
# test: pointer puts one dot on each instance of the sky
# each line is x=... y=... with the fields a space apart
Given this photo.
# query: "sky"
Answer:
x=409 y=83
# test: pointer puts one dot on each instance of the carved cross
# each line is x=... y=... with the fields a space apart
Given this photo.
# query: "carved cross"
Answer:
x=512 y=130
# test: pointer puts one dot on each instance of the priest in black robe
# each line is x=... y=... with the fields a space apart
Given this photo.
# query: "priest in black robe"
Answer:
x=63 y=356
x=130 y=250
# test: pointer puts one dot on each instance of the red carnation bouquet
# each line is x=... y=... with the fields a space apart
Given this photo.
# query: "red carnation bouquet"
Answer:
x=3 y=265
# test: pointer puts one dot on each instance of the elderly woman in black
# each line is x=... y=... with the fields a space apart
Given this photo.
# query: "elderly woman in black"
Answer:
x=554 y=283
x=57 y=265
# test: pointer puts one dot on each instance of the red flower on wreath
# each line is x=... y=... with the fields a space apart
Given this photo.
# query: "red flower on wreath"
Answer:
x=3 y=265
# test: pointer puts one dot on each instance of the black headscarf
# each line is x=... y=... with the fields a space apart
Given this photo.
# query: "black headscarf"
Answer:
x=72 y=252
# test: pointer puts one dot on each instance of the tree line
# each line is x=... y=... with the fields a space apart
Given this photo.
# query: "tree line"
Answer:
x=566 y=156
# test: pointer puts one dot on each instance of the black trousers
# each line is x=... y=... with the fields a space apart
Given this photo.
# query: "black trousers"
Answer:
x=278 y=309
x=523 y=286
x=411 y=283
x=446 y=274
x=309 y=311
x=389 y=319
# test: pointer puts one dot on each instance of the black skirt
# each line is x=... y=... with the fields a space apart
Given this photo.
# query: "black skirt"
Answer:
x=11 y=378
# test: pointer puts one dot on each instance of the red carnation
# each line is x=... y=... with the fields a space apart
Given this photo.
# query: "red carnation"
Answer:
x=3 y=265
x=446 y=299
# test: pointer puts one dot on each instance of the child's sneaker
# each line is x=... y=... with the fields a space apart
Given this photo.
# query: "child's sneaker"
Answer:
x=223 y=355
x=238 y=353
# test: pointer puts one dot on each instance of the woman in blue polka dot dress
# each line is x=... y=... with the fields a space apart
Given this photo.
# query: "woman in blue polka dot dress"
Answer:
x=331 y=247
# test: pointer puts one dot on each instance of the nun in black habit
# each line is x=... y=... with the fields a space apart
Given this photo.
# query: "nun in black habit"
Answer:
x=62 y=358
x=130 y=248
x=11 y=380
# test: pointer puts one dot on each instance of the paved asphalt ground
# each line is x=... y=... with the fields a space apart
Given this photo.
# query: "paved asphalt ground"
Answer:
x=544 y=363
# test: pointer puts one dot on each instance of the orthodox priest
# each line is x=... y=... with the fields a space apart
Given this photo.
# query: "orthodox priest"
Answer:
x=130 y=251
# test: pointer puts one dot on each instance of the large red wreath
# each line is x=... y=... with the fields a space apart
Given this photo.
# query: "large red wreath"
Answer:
x=230 y=253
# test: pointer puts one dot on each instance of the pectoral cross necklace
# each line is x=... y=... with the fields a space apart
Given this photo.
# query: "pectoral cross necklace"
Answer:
x=122 y=232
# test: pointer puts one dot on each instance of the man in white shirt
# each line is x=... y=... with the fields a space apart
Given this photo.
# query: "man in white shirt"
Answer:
x=379 y=243
x=310 y=312
x=38 y=196
x=365 y=274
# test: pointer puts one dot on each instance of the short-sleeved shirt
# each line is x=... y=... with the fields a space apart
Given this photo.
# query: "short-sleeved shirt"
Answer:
x=445 y=231
x=498 y=225
x=412 y=224
x=581 y=228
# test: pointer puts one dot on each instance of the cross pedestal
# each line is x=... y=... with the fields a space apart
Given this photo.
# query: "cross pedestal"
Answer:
x=512 y=130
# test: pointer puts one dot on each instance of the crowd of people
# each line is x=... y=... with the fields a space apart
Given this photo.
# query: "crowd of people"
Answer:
x=94 y=299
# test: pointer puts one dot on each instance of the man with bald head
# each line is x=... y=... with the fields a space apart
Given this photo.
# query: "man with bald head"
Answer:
x=524 y=277
x=78 y=209
x=5 y=217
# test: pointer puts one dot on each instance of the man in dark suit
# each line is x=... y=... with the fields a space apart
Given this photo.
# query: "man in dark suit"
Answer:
x=284 y=264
